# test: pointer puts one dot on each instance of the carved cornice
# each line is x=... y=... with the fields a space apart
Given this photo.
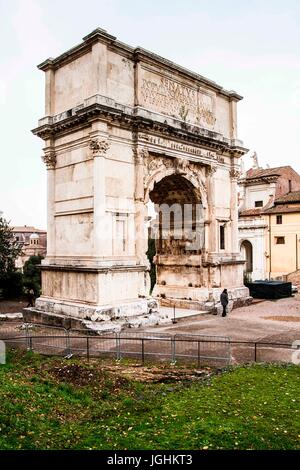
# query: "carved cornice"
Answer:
x=99 y=147
x=95 y=270
x=49 y=158
x=135 y=55
x=127 y=118
x=248 y=181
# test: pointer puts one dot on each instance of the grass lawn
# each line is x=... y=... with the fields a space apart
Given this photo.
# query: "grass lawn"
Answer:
x=52 y=403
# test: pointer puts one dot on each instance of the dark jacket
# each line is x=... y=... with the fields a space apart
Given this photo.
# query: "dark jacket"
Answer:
x=224 y=298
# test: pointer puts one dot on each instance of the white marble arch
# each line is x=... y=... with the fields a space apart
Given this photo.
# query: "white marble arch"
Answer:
x=114 y=139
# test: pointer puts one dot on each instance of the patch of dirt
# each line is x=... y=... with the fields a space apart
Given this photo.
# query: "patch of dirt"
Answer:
x=289 y=318
x=12 y=306
x=119 y=376
x=75 y=374
x=159 y=374
x=81 y=375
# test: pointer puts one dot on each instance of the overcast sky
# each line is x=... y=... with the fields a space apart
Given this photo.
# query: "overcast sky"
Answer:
x=250 y=46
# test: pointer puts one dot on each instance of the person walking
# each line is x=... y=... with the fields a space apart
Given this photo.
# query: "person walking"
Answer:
x=224 y=301
x=30 y=298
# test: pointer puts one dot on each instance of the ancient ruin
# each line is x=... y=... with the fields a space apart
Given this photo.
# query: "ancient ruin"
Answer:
x=123 y=127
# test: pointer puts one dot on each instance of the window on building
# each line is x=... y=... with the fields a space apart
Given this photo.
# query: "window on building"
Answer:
x=259 y=203
x=278 y=219
x=290 y=186
x=222 y=237
x=279 y=240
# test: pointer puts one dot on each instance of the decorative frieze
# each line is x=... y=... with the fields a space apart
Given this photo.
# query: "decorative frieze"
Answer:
x=182 y=147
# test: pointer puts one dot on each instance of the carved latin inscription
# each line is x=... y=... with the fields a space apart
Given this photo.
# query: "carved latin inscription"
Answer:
x=178 y=100
x=182 y=147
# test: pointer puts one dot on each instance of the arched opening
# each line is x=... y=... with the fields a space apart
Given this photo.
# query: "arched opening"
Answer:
x=247 y=254
x=176 y=233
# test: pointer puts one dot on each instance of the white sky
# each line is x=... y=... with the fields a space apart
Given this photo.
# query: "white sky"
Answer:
x=250 y=46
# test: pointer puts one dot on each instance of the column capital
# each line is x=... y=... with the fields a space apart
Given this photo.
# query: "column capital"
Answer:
x=49 y=158
x=235 y=173
x=211 y=169
x=140 y=154
x=99 y=147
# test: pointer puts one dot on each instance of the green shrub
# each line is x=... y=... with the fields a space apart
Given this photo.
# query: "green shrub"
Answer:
x=12 y=285
x=32 y=274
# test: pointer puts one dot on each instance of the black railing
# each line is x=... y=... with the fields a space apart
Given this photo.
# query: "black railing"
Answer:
x=202 y=350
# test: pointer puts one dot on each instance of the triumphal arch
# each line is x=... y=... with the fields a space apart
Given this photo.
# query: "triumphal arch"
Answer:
x=124 y=127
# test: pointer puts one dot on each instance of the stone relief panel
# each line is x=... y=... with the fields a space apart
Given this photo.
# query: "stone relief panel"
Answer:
x=167 y=96
x=199 y=173
x=153 y=165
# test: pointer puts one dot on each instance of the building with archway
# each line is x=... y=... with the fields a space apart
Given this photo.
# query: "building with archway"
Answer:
x=247 y=254
x=269 y=222
x=124 y=126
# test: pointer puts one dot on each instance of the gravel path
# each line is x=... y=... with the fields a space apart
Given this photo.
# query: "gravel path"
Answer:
x=251 y=323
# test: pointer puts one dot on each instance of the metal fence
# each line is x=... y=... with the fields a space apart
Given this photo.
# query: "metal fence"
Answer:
x=42 y=338
x=218 y=351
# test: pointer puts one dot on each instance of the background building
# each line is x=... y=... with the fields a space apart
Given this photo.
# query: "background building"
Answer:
x=269 y=222
x=283 y=220
x=33 y=242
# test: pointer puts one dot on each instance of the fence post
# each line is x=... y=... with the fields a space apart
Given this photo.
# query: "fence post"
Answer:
x=68 y=343
x=255 y=351
x=28 y=338
x=174 y=316
x=198 y=353
x=118 y=346
x=88 y=348
x=173 y=346
x=229 y=353
x=143 y=352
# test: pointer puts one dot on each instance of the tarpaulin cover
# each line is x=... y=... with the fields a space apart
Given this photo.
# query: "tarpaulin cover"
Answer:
x=269 y=289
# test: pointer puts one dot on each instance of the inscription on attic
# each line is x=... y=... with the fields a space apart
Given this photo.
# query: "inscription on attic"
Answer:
x=175 y=99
